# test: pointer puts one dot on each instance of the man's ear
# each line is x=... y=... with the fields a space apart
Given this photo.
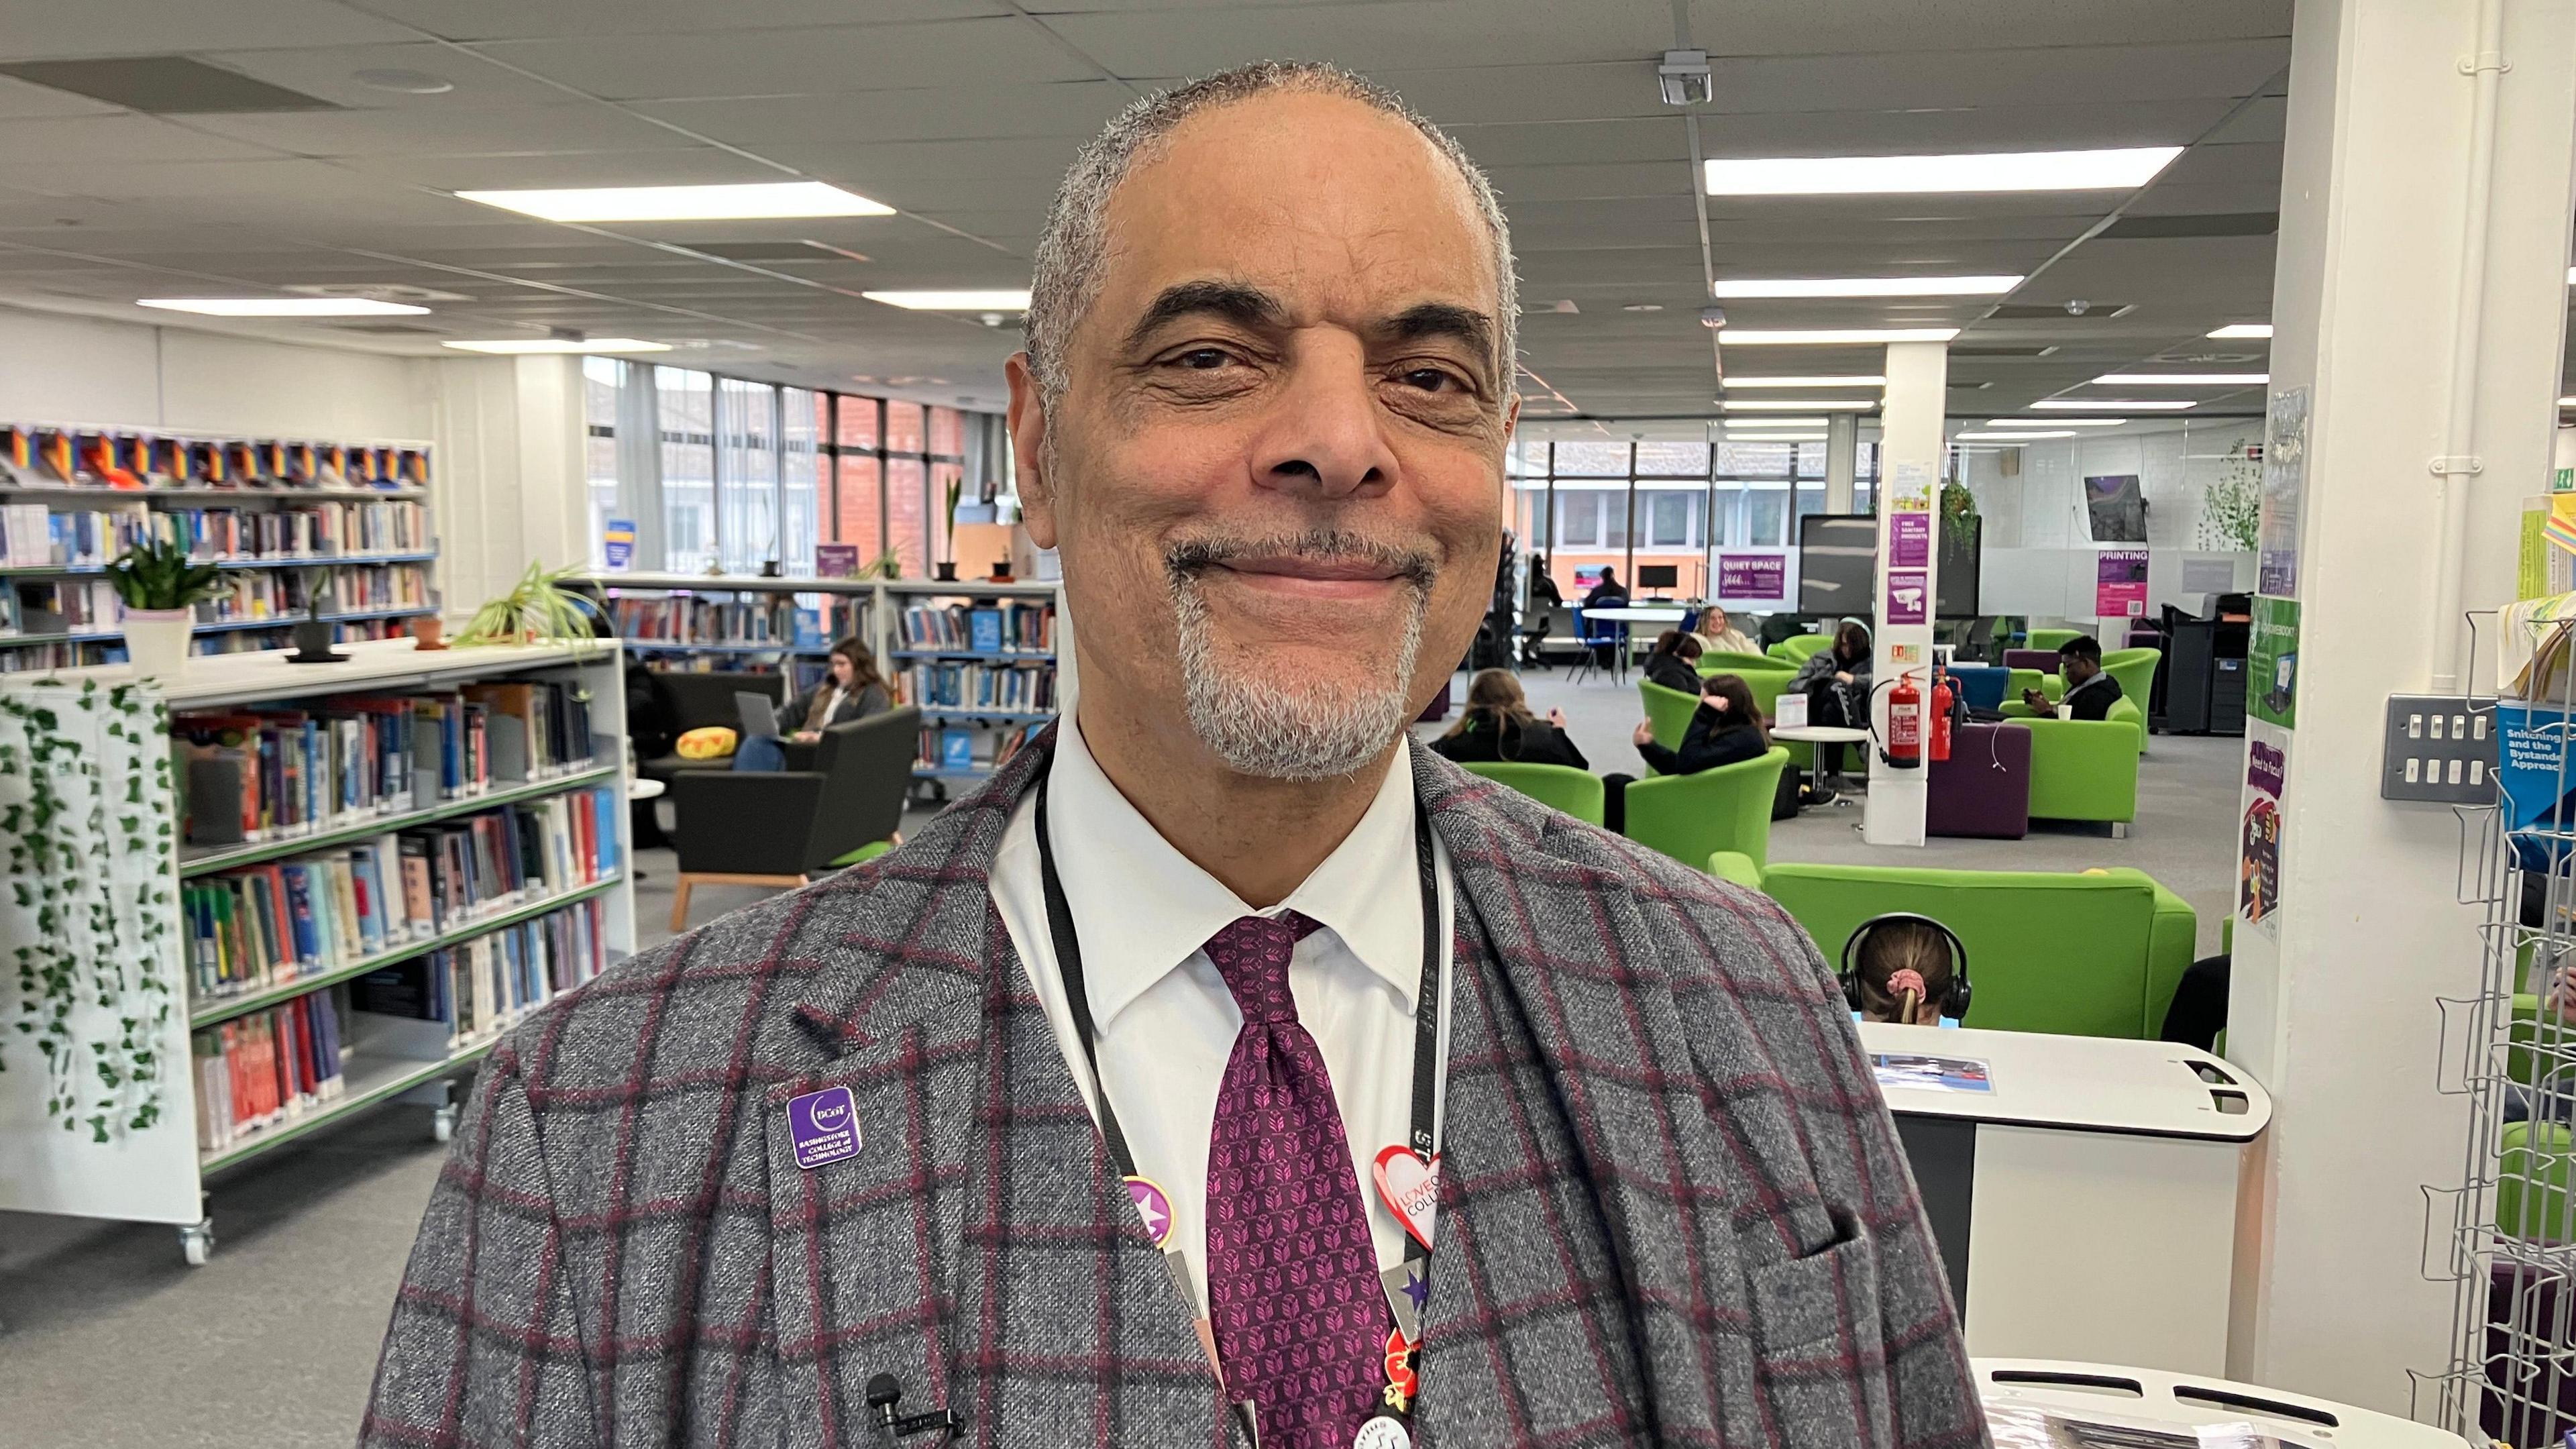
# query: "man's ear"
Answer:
x=1028 y=425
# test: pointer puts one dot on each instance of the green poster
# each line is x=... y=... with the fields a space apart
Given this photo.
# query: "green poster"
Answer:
x=2272 y=659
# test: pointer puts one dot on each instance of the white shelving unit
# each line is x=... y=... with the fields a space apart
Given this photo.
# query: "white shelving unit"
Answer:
x=881 y=625
x=255 y=496
x=157 y=1173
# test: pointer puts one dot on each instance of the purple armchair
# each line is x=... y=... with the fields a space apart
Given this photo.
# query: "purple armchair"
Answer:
x=1983 y=789
x=2043 y=660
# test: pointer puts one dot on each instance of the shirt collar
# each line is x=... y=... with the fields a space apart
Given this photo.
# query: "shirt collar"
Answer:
x=1143 y=908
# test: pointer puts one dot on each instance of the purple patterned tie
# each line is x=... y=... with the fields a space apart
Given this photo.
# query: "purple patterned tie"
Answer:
x=1293 y=1291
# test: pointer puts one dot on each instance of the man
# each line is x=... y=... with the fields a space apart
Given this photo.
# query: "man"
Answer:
x=2088 y=693
x=1225 y=935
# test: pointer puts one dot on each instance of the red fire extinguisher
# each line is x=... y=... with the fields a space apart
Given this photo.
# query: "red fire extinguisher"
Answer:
x=1944 y=700
x=1904 y=724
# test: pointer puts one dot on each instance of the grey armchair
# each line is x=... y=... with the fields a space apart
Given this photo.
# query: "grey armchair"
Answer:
x=783 y=828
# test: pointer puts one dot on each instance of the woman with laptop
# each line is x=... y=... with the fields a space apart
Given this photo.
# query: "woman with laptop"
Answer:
x=853 y=690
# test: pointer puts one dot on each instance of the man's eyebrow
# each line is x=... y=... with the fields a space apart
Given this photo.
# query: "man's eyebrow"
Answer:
x=1234 y=301
x=1441 y=319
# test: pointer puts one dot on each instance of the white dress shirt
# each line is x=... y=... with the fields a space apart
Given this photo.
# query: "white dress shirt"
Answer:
x=1142 y=912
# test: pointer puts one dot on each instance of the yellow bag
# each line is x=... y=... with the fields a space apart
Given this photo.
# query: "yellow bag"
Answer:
x=708 y=742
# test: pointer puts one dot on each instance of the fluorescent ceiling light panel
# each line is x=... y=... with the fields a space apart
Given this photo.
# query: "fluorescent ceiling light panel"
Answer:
x=2114 y=170
x=1866 y=287
x=1799 y=404
x=2235 y=331
x=1775 y=437
x=1775 y=422
x=684 y=203
x=1829 y=336
x=2113 y=405
x=2182 y=379
x=2011 y=437
x=2055 y=422
x=1850 y=380
x=990 y=301
x=282 y=306
x=518 y=345
x=2567 y=402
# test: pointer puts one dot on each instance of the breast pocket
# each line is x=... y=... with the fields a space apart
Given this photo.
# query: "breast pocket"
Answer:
x=1819 y=1349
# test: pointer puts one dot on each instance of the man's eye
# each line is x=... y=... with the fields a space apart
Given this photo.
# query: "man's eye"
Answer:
x=1204 y=359
x=1432 y=379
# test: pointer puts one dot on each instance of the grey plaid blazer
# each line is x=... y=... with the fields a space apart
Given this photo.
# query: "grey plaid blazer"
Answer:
x=1673 y=1209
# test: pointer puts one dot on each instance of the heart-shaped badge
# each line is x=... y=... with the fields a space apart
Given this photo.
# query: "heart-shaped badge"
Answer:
x=1411 y=1188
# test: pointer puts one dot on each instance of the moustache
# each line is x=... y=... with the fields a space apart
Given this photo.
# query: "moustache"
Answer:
x=1186 y=559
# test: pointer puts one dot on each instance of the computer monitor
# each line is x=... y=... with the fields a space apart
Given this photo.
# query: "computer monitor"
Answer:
x=1659 y=577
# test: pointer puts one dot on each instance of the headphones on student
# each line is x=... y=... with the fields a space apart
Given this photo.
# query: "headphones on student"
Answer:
x=1953 y=1001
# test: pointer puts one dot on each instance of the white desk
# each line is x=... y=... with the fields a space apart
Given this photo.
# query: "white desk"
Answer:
x=1626 y=614
x=2086 y=1196
x=2022 y=1395
x=1821 y=734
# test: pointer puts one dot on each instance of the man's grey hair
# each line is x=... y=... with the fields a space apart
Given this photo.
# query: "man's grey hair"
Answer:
x=1076 y=238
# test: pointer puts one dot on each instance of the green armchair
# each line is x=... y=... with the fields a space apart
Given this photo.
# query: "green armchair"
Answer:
x=1691 y=817
x=1797 y=647
x=2091 y=953
x=1727 y=661
x=2083 y=769
x=1668 y=710
x=2052 y=639
x=1576 y=792
x=2135 y=669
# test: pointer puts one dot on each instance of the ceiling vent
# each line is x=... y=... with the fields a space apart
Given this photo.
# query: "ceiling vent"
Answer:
x=2215 y=223
x=164 y=85
x=2056 y=312
x=1999 y=350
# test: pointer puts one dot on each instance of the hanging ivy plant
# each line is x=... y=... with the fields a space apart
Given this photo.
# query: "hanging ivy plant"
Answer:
x=2231 y=510
x=1958 y=513
x=86 y=815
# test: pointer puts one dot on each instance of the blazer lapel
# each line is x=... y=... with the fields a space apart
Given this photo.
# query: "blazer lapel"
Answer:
x=1574 y=976
x=976 y=1245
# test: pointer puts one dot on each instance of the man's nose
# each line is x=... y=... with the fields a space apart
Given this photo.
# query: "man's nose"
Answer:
x=1326 y=437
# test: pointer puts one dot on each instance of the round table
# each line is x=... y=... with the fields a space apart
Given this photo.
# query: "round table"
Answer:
x=1820 y=735
x=1634 y=614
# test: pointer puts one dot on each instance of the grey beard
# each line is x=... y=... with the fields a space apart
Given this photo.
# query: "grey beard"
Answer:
x=1287 y=729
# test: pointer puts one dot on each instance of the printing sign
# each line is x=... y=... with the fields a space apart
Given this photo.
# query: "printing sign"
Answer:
x=2120 y=584
x=1752 y=576
x=617 y=544
x=2272 y=659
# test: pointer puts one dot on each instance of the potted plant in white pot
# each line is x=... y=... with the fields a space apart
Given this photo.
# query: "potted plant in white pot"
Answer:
x=160 y=588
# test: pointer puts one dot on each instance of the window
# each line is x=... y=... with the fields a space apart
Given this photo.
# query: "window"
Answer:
x=601 y=377
x=1586 y=459
x=907 y=513
x=1672 y=460
x=747 y=475
x=858 y=510
x=1578 y=517
x=687 y=408
x=1669 y=516
x=801 y=480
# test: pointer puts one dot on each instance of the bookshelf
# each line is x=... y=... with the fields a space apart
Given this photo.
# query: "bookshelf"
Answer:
x=976 y=691
x=435 y=755
x=282 y=515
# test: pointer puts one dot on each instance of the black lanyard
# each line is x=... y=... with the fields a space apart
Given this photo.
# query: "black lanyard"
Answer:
x=1427 y=1004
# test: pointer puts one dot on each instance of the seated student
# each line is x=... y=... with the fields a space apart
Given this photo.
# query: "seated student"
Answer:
x=2089 y=693
x=1726 y=729
x=853 y=690
x=1674 y=662
x=1606 y=593
x=1497 y=727
x=1835 y=681
x=1904 y=972
x=1718 y=634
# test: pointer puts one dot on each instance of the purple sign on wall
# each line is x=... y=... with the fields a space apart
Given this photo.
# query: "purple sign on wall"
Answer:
x=1909 y=596
x=1752 y=576
x=1909 y=541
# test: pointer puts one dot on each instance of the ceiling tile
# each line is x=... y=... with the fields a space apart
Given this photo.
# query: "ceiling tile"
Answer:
x=461 y=130
x=36 y=30
x=799 y=62
x=583 y=19
x=948 y=113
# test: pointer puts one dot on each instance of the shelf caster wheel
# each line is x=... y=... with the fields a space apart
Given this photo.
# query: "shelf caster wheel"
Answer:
x=197 y=1241
x=442 y=1123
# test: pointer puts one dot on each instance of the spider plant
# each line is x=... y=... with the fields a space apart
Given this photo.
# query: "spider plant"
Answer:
x=538 y=607
x=157 y=574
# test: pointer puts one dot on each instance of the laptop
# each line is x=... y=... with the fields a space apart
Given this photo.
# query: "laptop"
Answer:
x=759 y=715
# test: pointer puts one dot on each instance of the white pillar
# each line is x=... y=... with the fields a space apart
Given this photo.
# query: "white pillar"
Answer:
x=1909 y=489
x=1842 y=460
x=2333 y=1004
